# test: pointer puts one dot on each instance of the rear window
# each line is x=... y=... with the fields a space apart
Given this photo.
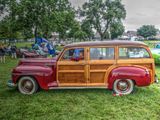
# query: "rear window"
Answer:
x=133 y=52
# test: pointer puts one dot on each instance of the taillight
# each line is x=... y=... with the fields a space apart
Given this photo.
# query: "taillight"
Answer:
x=147 y=72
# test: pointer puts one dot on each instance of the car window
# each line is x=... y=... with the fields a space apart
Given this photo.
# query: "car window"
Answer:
x=74 y=54
x=101 y=53
x=133 y=52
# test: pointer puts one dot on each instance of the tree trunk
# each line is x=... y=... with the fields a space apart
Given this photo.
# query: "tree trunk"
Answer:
x=35 y=33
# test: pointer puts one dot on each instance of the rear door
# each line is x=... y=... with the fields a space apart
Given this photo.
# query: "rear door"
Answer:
x=100 y=59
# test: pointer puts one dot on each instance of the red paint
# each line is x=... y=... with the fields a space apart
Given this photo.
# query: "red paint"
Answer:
x=137 y=74
x=43 y=70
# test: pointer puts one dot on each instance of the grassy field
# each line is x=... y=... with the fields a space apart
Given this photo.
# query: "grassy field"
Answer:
x=87 y=104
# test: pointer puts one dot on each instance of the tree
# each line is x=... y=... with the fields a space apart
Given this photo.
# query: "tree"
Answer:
x=3 y=5
x=102 y=13
x=116 y=29
x=40 y=17
x=147 y=31
x=86 y=27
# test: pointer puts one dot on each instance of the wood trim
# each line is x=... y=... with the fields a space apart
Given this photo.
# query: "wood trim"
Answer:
x=82 y=84
x=72 y=84
x=71 y=71
x=131 y=61
x=89 y=87
x=97 y=62
x=97 y=84
x=98 y=71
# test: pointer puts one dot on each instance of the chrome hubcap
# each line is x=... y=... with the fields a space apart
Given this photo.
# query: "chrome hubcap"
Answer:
x=27 y=86
x=123 y=85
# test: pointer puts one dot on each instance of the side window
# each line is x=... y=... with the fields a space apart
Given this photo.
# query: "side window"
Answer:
x=74 y=54
x=101 y=53
x=133 y=52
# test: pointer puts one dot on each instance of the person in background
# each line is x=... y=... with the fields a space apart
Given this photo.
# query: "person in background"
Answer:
x=13 y=51
x=2 y=54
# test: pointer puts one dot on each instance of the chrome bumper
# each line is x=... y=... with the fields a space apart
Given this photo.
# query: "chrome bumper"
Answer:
x=11 y=84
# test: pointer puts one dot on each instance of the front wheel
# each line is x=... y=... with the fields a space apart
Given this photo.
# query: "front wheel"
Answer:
x=123 y=86
x=27 y=85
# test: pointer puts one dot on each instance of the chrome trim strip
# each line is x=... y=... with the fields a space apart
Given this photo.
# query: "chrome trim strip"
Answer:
x=77 y=88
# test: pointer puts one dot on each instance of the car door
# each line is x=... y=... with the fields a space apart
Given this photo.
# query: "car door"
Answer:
x=72 y=68
x=100 y=60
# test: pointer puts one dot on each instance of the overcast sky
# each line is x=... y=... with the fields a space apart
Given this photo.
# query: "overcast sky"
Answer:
x=139 y=12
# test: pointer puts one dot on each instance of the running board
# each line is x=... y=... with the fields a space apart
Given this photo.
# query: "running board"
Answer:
x=77 y=88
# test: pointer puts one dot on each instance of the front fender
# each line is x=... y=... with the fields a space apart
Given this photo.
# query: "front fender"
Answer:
x=42 y=74
x=141 y=76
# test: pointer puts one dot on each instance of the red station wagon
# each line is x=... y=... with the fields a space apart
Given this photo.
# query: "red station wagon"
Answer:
x=116 y=65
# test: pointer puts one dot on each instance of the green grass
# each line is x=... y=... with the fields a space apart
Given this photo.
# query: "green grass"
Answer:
x=87 y=104
x=23 y=44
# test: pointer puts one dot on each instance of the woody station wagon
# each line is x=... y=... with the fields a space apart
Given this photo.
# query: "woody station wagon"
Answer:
x=115 y=65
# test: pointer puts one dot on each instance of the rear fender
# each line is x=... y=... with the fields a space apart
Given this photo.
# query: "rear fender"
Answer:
x=140 y=75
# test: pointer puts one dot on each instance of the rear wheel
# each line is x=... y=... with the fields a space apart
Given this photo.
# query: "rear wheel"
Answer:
x=27 y=85
x=123 y=86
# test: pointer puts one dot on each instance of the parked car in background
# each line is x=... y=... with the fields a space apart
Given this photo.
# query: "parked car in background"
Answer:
x=115 y=65
x=156 y=53
x=25 y=53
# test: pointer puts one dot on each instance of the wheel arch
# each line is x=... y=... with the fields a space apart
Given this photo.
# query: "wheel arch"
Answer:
x=40 y=85
x=28 y=76
x=121 y=72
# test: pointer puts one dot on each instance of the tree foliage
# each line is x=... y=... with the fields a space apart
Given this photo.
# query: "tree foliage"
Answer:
x=40 y=17
x=32 y=18
x=101 y=14
x=147 y=31
x=116 y=29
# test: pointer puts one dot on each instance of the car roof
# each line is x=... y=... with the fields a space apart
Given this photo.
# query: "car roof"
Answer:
x=106 y=43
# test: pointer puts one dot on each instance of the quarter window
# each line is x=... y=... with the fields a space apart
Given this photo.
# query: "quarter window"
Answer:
x=133 y=52
x=101 y=53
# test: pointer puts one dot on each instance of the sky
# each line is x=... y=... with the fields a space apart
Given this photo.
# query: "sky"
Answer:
x=139 y=12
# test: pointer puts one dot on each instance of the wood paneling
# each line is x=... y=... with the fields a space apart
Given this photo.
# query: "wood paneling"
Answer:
x=99 y=67
x=71 y=77
x=68 y=67
x=97 y=77
x=90 y=73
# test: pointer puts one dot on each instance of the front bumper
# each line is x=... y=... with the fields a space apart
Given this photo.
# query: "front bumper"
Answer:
x=11 y=84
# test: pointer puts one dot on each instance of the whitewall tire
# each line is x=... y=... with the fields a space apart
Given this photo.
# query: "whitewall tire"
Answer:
x=27 y=85
x=123 y=86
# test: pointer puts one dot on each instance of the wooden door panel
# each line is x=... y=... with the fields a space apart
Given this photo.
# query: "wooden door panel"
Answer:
x=69 y=67
x=71 y=73
x=97 y=77
x=98 y=69
x=65 y=77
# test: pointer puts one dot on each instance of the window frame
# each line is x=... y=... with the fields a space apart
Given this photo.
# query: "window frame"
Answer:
x=114 y=47
x=128 y=46
x=66 y=49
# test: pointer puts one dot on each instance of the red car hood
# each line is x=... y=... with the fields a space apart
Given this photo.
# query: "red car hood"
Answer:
x=37 y=61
